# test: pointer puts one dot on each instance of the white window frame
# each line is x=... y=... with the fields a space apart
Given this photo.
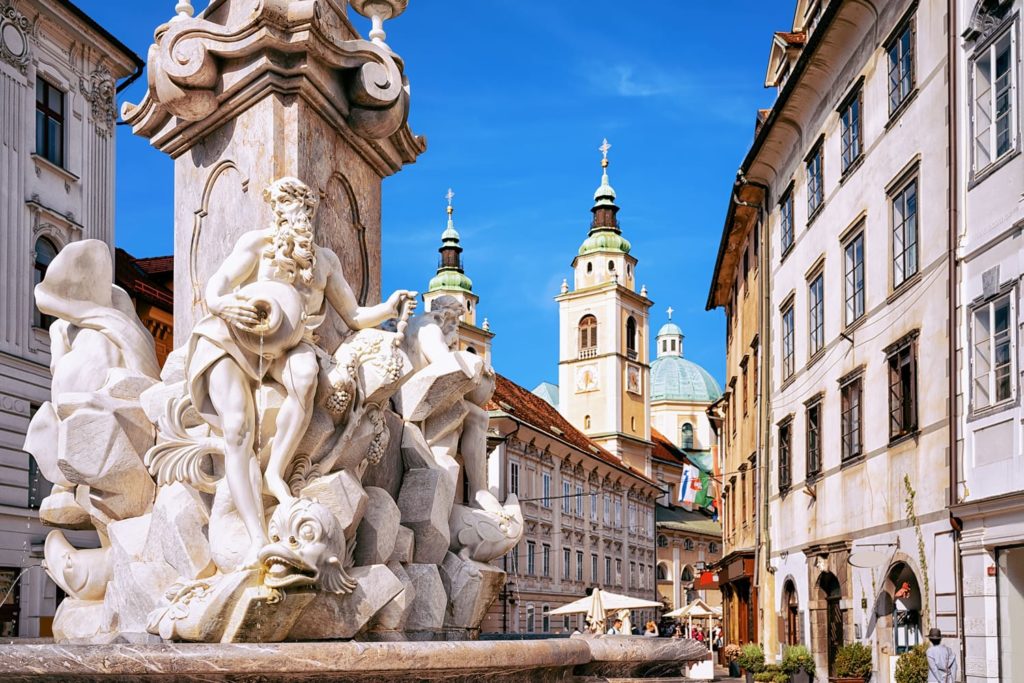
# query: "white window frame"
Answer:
x=1011 y=333
x=513 y=477
x=989 y=50
x=566 y=500
x=545 y=478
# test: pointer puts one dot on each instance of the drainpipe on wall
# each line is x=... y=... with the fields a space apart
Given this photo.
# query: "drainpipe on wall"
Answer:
x=952 y=57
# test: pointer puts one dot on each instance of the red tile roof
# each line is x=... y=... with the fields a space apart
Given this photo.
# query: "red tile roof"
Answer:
x=665 y=449
x=138 y=283
x=156 y=265
x=514 y=400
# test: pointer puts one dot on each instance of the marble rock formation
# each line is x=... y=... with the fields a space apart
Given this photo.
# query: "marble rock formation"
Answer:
x=264 y=487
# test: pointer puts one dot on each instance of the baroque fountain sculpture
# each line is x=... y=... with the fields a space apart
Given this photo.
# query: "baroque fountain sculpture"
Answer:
x=263 y=487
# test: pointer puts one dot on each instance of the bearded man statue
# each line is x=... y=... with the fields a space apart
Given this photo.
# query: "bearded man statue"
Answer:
x=265 y=304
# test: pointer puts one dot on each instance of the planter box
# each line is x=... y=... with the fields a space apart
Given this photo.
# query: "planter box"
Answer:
x=802 y=676
x=847 y=679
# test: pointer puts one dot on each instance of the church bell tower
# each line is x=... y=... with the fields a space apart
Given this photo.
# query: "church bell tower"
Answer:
x=604 y=366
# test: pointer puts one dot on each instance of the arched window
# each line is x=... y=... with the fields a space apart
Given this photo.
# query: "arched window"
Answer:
x=631 y=336
x=662 y=541
x=590 y=266
x=661 y=573
x=586 y=422
x=471 y=350
x=712 y=547
x=611 y=266
x=687 y=575
x=588 y=335
x=531 y=624
x=632 y=423
x=45 y=252
x=688 y=544
x=687 y=435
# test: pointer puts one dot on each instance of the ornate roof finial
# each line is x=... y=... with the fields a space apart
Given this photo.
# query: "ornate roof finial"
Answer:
x=486 y=326
x=670 y=312
x=184 y=9
x=565 y=285
x=605 y=146
x=450 y=232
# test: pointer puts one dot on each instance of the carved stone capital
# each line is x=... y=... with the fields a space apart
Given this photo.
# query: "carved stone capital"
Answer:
x=191 y=59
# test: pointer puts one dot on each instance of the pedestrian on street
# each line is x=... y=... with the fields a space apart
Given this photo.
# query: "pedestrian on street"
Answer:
x=941 y=660
x=616 y=629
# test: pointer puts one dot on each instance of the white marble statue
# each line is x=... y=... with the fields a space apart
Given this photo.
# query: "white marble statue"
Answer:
x=228 y=492
x=266 y=302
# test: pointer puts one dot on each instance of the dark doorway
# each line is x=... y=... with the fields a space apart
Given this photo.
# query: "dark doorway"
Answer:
x=831 y=592
x=791 y=614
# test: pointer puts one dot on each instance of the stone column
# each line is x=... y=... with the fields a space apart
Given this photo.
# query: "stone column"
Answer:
x=253 y=90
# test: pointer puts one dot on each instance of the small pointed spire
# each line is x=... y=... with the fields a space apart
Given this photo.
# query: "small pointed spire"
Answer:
x=486 y=325
x=670 y=311
x=643 y=290
x=565 y=285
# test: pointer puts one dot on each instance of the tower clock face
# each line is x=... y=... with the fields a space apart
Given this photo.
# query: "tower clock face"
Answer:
x=586 y=378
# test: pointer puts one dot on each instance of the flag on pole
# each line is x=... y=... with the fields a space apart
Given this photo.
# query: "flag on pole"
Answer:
x=691 y=479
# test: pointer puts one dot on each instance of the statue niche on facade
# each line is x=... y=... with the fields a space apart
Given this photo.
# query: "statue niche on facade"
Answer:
x=248 y=517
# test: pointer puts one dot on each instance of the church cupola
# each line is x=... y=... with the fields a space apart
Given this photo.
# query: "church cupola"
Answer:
x=450 y=274
x=451 y=280
x=669 y=341
x=604 y=256
x=605 y=234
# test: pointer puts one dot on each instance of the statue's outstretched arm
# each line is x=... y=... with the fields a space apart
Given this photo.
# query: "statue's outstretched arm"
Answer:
x=340 y=296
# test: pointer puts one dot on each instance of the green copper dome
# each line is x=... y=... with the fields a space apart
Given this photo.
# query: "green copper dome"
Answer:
x=450 y=279
x=605 y=240
x=673 y=378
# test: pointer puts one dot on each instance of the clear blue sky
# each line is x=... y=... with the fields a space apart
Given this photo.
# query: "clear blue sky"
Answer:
x=514 y=97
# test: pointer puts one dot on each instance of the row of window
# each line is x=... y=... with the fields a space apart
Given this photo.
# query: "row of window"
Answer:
x=904 y=266
x=901 y=362
x=512 y=566
x=573 y=495
x=688 y=544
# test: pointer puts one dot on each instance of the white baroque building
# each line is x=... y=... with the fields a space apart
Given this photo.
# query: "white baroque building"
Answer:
x=851 y=168
x=989 y=500
x=58 y=78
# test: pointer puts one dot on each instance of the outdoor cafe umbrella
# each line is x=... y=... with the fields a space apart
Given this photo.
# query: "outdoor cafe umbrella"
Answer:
x=601 y=602
x=699 y=609
x=595 y=615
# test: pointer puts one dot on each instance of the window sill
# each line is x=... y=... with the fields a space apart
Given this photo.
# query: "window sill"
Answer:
x=786 y=252
x=787 y=382
x=852 y=461
x=854 y=165
x=852 y=327
x=813 y=215
x=903 y=438
x=995 y=409
x=904 y=287
x=980 y=176
x=816 y=356
x=65 y=174
x=898 y=112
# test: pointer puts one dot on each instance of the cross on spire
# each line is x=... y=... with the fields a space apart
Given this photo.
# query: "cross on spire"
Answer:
x=605 y=146
x=670 y=312
x=450 y=195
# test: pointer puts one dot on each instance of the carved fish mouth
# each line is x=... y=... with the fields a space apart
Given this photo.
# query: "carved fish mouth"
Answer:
x=284 y=568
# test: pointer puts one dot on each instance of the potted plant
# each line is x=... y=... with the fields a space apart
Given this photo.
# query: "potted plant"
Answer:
x=732 y=654
x=751 y=659
x=912 y=666
x=853 y=664
x=798 y=663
